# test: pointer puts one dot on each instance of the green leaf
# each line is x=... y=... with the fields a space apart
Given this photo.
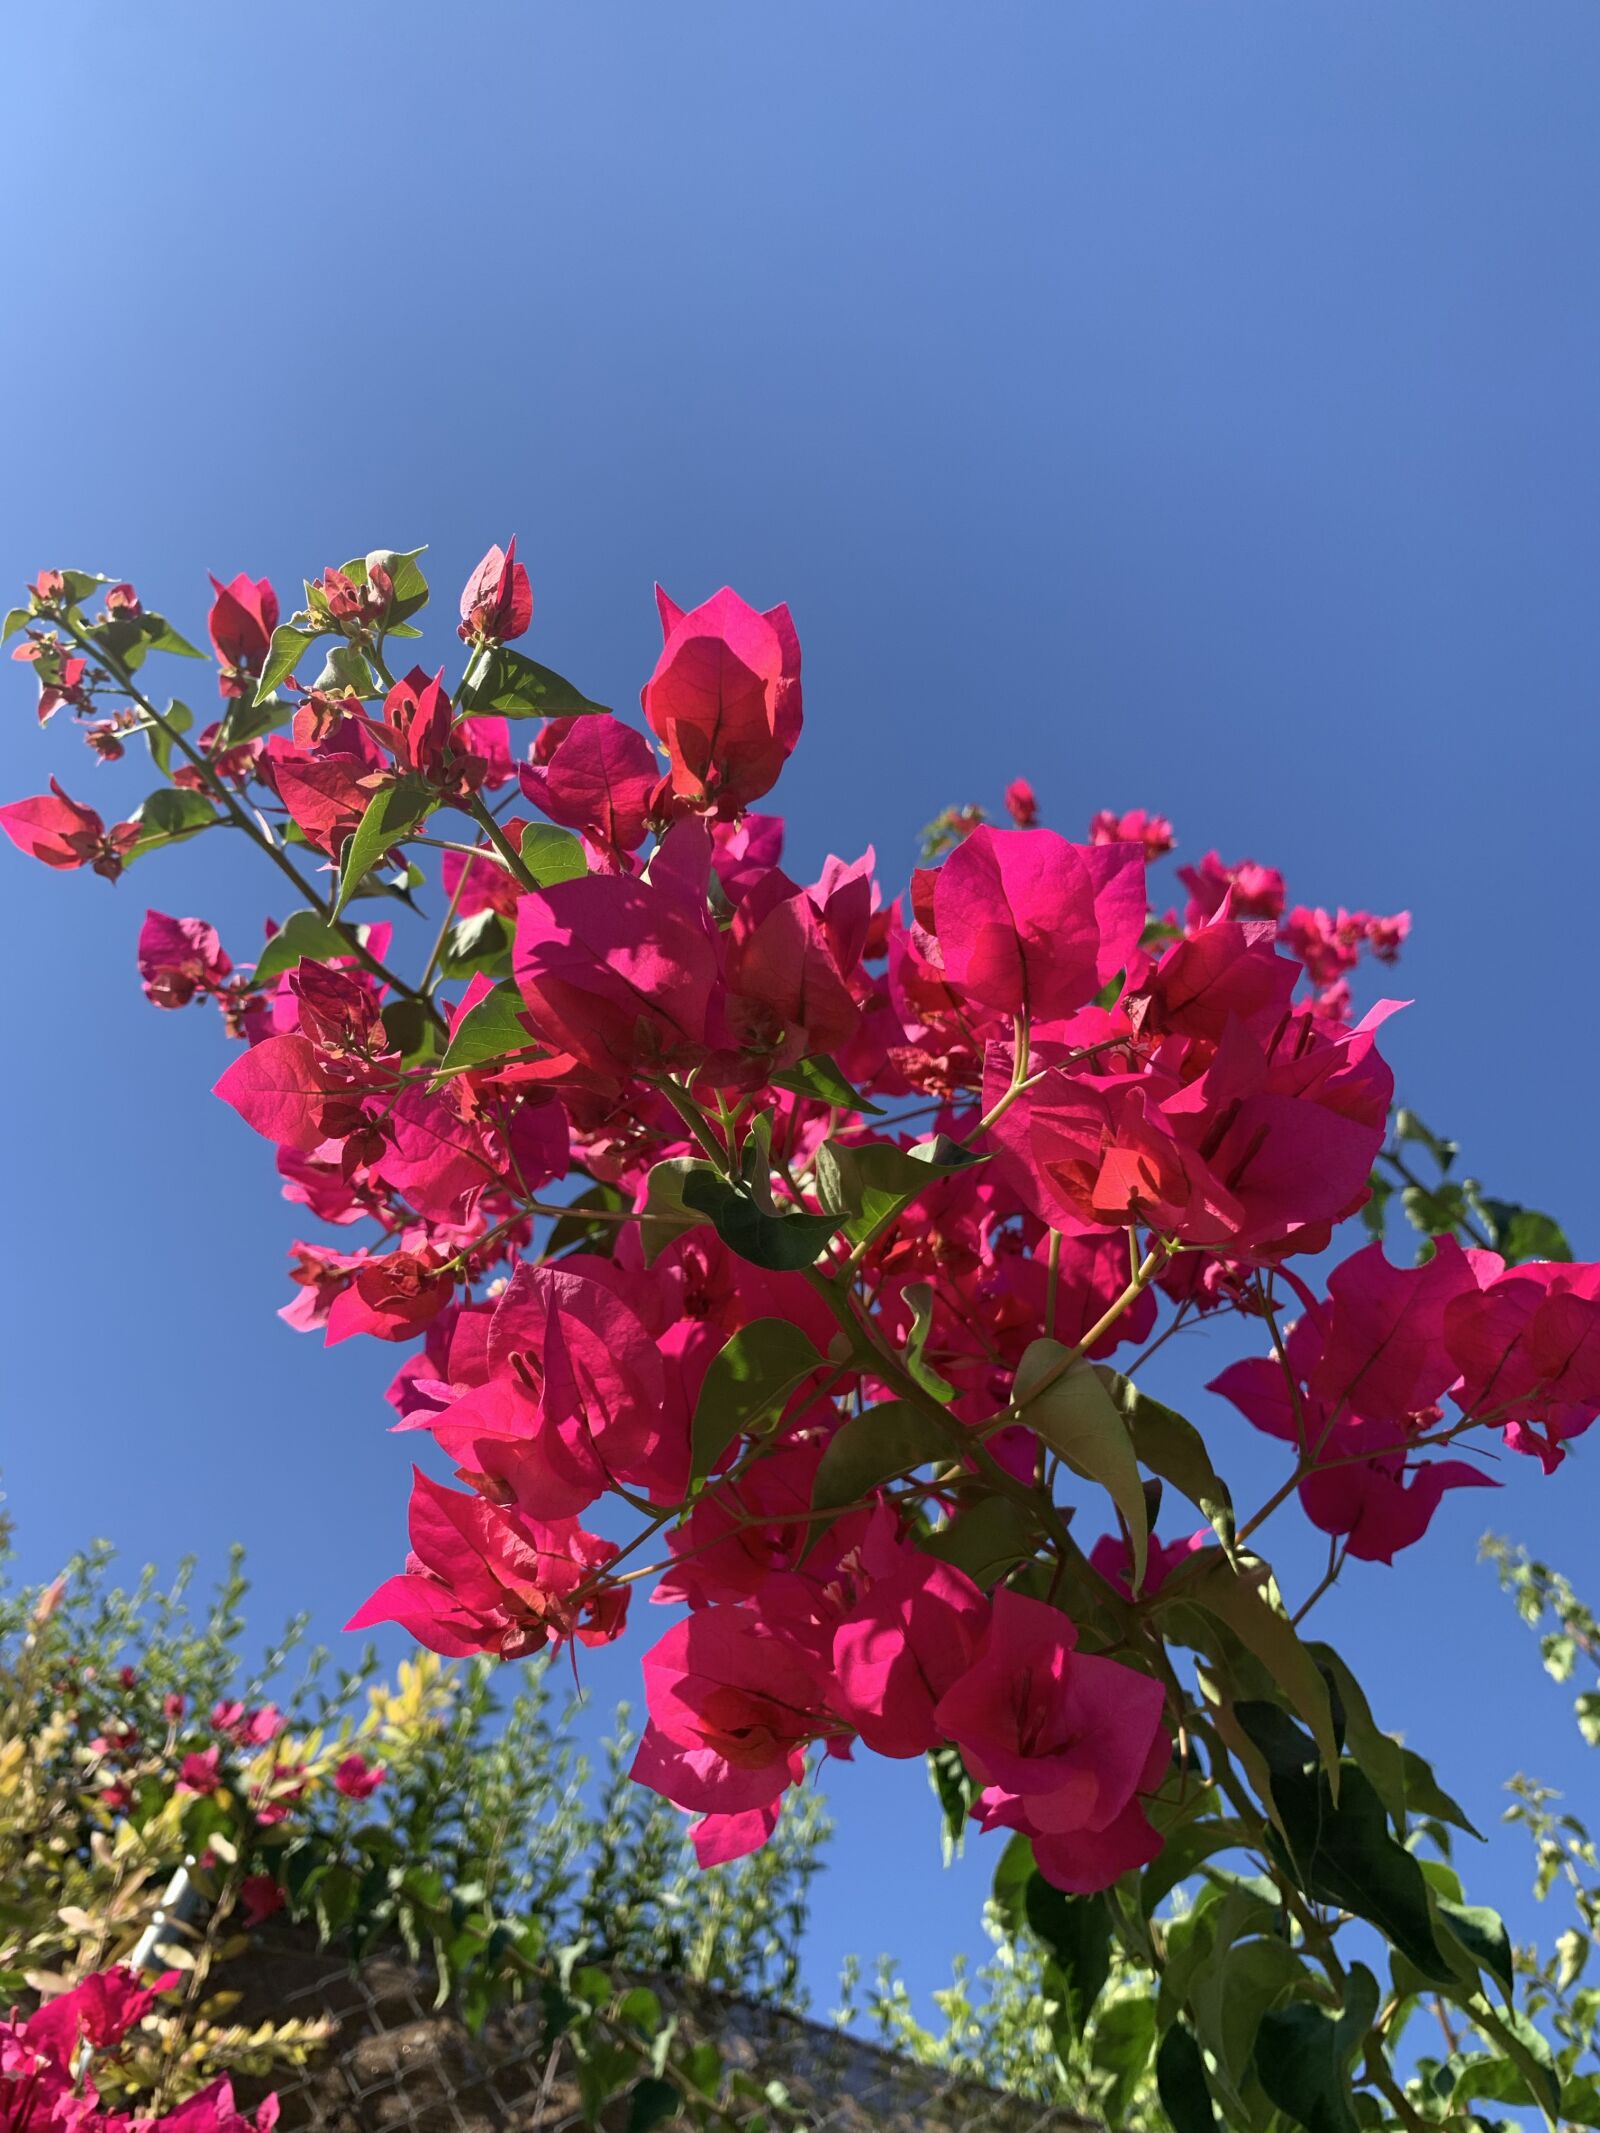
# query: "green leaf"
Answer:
x=872 y=1447
x=1187 y=1848
x=1379 y=1754
x=781 y=1243
x=1231 y=1994
x=664 y=1207
x=1522 y=1233
x=984 y=1539
x=578 y=1231
x=287 y=649
x=1303 y=2056
x=954 y=1790
x=16 y=618
x=503 y=681
x=1171 y=1446
x=492 y=1030
x=1344 y=1853
x=1526 y=2049
x=820 y=1078
x=869 y=1182
x=160 y=636
x=1011 y=1878
x=247 y=720
x=1077 y=1932
x=304 y=935
x=171 y=815
x=919 y=1295
x=651 y=2103
x=178 y=719
x=1481 y=1934
x=1248 y=1605
x=391 y=814
x=1124 y=2037
x=551 y=855
x=345 y=672
x=1181 y=2083
x=750 y=1379
x=1426 y=1796
x=405 y=574
x=1077 y=1417
x=481 y=942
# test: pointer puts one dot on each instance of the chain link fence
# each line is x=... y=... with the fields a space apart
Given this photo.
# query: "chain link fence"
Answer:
x=393 y=2060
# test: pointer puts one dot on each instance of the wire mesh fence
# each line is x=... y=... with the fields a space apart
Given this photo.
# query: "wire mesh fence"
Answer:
x=394 y=2060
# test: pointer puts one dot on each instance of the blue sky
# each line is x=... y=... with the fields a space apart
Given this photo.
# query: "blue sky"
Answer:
x=1190 y=407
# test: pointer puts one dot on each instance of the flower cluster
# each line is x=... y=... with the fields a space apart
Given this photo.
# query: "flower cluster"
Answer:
x=798 y=1221
x=47 y=2065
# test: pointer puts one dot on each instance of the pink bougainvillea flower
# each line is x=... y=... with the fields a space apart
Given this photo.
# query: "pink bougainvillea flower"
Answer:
x=1154 y=832
x=1062 y=1743
x=787 y=999
x=199 y=1772
x=1227 y=968
x=327 y=789
x=482 y=1579
x=63 y=833
x=98 y=2012
x=243 y=616
x=907 y=1639
x=260 y=1898
x=497 y=600
x=1368 y=1489
x=417 y=718
x=733 y=1708
x=1526 y=1340
x=1256 y=891
x=624 y=975
x=1113 y=1558
x=178 y=958
x=1384 y=1355
x=599 y=780
x=1028 y=922
x=392 y=1297
x=724 y=699
x=358 y=1779
x=1022 y=804
x=576 y=1394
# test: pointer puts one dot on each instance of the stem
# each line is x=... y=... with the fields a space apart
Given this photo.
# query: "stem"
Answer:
x=1146 y=1271
x=240 y=815
x=501 y=842
x=1019 y=1078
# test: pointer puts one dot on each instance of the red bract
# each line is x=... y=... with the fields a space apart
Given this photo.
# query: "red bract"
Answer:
x=416 y=724
x=180 y=957
x=243 y=616
x=1029 y=923
x=62 y=833
x=911 y=1636
x=482 y=1579
x=724 y=700
x=1061 y=1743
x=733 y=1708
x=624 y=975
x=1154 y=832
x=599 y=779
x=99 y=2013
x=327 y=789
x=497 y=600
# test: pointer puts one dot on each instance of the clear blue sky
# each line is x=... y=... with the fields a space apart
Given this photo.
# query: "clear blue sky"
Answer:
x=1191 y=407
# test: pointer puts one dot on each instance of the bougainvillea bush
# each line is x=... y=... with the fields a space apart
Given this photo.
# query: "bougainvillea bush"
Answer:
x=792 y=1251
